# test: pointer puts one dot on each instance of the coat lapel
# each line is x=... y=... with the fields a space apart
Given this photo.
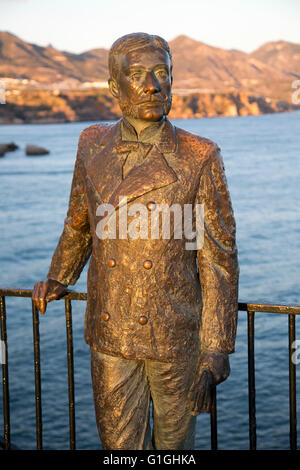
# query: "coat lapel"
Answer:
x=154 y=173
x=105 y=169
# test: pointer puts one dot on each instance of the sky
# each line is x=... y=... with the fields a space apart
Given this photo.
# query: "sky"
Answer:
x=80 y=25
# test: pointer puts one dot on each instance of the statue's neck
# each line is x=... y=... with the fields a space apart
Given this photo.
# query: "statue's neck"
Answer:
x=140 y=126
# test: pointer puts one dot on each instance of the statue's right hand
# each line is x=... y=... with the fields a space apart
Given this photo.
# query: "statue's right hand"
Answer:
x=46 y=291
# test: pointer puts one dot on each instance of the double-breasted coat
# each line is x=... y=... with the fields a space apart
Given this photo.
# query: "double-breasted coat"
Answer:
x=151 y=298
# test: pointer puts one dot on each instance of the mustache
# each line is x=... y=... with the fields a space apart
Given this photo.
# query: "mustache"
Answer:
x=152 y=99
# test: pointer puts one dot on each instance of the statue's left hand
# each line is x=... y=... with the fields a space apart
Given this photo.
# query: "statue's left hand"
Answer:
x=213 y=369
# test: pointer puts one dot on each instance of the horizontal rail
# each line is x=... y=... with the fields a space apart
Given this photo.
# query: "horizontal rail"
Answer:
x=268 y=308
x=28 y=293
x=242 y=306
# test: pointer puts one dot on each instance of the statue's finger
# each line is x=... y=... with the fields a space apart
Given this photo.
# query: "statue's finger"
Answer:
x=42 y=306
x=198 y=403
x=44 y=289
x=52 y=296
x=204 y=388
x=208 y=400
x=193 y=400
x=35 y=292
x=210 y=382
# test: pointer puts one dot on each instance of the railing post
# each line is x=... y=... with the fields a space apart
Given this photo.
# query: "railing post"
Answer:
x=292 y=383
x=37 y=376
x=251 y=381
x=68 y=313
x=213 y=420
x=6 y=414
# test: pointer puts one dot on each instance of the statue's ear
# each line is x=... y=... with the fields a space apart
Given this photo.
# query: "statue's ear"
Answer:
x=113 y=86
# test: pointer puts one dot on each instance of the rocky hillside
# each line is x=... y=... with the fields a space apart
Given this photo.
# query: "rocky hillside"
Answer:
x=47 y=85
x=280 y=55
x=19 y=59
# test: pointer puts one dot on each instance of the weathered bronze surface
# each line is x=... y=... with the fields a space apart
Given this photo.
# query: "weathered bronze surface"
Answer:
x=160 y=319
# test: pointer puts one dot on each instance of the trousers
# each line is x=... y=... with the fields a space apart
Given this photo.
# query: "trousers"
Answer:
x=123 y=391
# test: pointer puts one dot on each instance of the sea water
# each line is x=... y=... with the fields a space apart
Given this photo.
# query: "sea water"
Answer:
x=262 y=163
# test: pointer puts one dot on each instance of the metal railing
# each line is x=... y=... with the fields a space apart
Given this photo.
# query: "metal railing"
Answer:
x=250 y=308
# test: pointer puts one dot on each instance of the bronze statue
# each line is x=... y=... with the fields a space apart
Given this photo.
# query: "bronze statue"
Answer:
x=160 y=319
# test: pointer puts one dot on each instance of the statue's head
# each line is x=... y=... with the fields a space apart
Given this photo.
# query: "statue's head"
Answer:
x=140 y=67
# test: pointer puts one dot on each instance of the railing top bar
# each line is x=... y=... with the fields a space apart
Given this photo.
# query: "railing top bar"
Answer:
x=28 y=293
x=243 y=306
x=269 y=308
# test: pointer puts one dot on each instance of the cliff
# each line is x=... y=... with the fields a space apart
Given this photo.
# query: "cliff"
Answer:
x=46 y=106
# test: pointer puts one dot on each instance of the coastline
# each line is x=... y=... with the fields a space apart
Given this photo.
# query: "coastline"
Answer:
x=42 y=106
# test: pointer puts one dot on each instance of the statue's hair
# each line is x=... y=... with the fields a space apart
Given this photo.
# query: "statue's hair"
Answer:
x=131 y=42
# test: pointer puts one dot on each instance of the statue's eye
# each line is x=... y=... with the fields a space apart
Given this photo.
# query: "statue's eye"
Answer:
x=162 y=74
x=135 y=76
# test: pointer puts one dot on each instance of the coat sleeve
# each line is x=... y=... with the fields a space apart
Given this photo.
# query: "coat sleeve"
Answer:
x=75 y=243
x=217 y=259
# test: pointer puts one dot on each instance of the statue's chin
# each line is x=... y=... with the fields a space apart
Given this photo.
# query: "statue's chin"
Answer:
x=151 y=115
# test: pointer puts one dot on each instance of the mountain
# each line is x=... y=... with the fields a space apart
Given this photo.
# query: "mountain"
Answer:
x=281 y=55
x=47 y=64
x=44 y=84
x=198 y=65
x=266 y=71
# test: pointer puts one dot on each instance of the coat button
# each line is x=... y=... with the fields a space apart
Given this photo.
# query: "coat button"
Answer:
x=147 y=264
x=105 y=316
x=151 y=205
x=111 y=263
x=143 y=320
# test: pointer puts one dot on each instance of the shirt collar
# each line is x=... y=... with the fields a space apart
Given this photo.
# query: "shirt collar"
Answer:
x=162 y=134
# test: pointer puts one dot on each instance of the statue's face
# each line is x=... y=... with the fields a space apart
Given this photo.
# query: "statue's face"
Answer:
x=144 y=85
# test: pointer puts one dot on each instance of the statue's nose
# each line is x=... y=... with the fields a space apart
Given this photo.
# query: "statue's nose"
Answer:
x=151 y=85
